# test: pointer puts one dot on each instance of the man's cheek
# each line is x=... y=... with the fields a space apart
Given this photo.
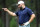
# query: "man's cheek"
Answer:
x=18 y=6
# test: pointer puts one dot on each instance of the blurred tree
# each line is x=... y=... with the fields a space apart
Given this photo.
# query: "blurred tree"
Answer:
x=4 y=13
x=37 y=3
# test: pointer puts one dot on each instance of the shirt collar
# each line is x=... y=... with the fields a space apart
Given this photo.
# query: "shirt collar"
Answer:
x=24 y=8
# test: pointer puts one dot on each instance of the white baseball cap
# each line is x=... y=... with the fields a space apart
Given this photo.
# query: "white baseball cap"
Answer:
x=20 y=2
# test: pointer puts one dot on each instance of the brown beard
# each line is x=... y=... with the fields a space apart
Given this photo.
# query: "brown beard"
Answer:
x=20 y=8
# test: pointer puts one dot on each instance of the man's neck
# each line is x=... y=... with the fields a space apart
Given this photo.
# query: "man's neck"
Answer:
x=23 y=7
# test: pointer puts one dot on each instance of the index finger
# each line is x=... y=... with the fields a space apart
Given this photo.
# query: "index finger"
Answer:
x=3 y=8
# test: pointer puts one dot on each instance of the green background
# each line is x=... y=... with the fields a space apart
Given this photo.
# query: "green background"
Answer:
x=13 y=22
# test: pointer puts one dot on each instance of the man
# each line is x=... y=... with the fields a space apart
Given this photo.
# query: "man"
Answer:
x=25 y=14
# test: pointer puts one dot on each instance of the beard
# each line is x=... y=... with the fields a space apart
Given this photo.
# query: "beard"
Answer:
x=20 y=8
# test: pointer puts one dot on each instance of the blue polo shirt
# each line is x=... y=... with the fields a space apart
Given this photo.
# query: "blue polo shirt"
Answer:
x=24 y=15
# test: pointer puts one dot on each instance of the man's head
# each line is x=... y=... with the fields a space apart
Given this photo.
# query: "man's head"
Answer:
x=21 y=4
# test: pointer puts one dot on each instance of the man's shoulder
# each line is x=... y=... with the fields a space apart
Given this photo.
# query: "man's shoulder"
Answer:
x=27 y=8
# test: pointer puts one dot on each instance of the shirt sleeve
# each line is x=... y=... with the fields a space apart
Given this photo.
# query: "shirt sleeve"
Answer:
x=30 y=12
x=16 y=13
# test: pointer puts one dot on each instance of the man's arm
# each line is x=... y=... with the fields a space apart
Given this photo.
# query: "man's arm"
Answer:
x=31 y=14
x=31 y=18
x=11 y=13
